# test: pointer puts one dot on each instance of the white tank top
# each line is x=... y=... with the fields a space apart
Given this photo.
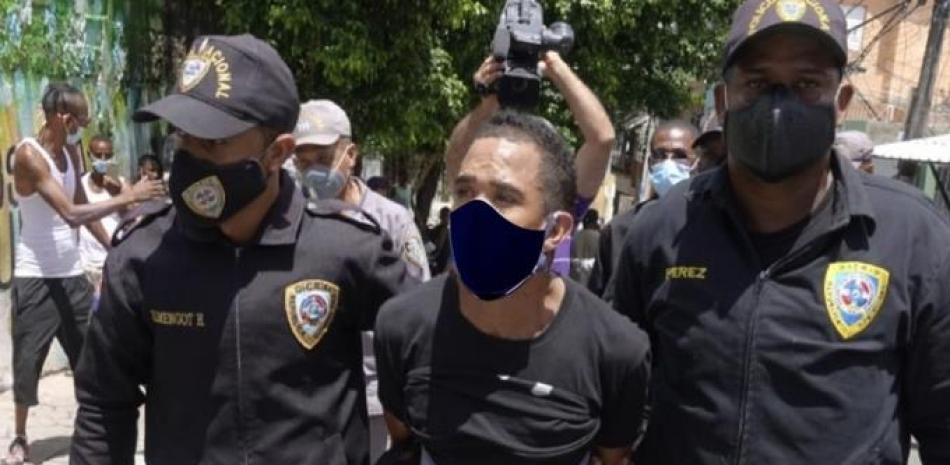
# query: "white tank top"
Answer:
x=46 y=246
x=90 y=250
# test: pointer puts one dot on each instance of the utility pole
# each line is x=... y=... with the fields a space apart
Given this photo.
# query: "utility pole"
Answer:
x=923 y=96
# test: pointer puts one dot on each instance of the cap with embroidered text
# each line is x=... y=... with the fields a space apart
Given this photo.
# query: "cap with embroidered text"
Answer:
x=228 y=85
x=754 y=19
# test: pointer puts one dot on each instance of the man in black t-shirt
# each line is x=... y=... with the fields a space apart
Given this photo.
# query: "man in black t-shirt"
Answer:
x=501 y=361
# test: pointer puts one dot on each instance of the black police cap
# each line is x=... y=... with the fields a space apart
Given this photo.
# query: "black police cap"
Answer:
x=228 y=85
x=823 y=19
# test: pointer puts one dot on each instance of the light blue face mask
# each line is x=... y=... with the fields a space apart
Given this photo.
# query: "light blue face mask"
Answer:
x=101 y=166
x=324 y=183
x=666 y=174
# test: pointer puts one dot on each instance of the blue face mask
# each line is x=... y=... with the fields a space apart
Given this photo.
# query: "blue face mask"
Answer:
x=493 y=256
x=666 y=174
x=324 y=183
x=101 y=166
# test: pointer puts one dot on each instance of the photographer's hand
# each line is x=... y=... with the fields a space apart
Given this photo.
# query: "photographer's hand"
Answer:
x=592 y=158
x=464 y=132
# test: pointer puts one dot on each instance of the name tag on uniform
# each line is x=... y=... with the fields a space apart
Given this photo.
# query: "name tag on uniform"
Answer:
x=178 y=319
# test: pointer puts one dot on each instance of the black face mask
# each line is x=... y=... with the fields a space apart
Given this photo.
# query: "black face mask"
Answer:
x=778 y=136
x=206 y=194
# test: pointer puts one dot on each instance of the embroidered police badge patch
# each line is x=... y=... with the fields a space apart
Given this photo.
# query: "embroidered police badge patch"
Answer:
x=791 y=10
x=310 y=307
x=194 y=69
x=854 y=294
x=206 y=197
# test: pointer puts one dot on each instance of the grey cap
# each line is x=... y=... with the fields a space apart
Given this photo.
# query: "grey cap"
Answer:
x=321 y=122
x=855 y=146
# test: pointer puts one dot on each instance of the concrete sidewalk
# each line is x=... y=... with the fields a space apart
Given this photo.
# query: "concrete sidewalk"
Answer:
x=51 y=423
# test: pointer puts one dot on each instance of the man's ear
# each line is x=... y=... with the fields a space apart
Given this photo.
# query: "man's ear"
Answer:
x=720 y=93
x=845 y=94
x=278 y=152
x=562 y=228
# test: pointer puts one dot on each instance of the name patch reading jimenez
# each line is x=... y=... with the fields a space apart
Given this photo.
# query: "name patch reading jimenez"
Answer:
x=180 y=319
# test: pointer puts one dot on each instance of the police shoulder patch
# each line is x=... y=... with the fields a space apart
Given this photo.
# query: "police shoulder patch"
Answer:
x=854 y=293
x=127 y=227
x=310 y=306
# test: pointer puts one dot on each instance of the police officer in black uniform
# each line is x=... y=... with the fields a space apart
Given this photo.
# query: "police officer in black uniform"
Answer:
x=799 y=309
x=239 y=309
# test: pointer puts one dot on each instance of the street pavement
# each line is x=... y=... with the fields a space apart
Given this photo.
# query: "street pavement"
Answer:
x=51 y=423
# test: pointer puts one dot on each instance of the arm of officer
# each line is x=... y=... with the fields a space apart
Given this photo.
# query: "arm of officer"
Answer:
x=382 y=274
x=600 y=274
x=624 y=288
x=412 y=249
x=115 y=361
x=29 y=165
x=592 y=158
x=927 y=386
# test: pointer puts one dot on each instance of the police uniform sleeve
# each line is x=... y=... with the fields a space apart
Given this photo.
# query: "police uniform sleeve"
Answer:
x=381 y=275
x=626 y=379
x=600 y=274
x=927 y=384
x=411 y=248
x=625 y=287
x=114 y=363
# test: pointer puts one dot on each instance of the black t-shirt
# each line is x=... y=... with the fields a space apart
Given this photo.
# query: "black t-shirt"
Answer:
x=473 y=398
x=773 y=246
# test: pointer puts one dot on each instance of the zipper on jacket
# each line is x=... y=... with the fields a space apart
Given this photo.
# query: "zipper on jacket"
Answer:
x=747 y=359
x=239 y=401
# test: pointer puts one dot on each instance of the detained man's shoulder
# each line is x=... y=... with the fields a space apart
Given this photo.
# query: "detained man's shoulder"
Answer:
x=414 y=308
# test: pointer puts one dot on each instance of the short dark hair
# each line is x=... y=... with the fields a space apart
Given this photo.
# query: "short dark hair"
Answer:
x=672 y=124
x=558 y=179
x=591 y=219
x=60 y=97
x=148 y=157
x=100 y=138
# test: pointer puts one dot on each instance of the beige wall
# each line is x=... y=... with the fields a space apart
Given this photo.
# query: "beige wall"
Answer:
x=892 y=66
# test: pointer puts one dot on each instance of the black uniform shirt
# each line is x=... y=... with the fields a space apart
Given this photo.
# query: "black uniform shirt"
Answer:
x=834 y=354
x=471 y=398
x=248 y=355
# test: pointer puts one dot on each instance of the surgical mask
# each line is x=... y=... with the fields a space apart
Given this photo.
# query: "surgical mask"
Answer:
x=205 y=194
x=666 y=174
x=494 y=257
x=778 y=135
x=324 y=183
x=102 y=166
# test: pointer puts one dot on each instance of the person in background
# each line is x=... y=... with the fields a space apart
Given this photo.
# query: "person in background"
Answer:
x=439 y=235
x=857 y=147
x=326 y=156
x=672 y=161
x=584 y=252
x=379 y=185
x=101 y=183
x=150 y=167
x=590 y=160
x=710 y=147
x=50 y=296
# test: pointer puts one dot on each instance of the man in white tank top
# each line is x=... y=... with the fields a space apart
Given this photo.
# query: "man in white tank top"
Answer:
x=101 y=183
x=50 y=295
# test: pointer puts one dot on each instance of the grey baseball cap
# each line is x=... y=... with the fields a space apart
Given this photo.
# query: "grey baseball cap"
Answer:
x=855 y=145
x=754 y=19
x=321 y=122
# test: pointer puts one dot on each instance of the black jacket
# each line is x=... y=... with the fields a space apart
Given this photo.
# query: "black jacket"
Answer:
x=835 y=354
x=247 y=355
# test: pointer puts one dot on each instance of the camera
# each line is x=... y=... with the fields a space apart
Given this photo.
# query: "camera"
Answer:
x=519 y=40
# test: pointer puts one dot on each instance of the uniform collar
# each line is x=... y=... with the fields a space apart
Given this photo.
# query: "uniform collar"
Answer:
x=851 y=200
x=280 y=225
